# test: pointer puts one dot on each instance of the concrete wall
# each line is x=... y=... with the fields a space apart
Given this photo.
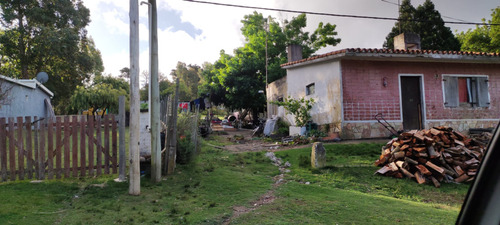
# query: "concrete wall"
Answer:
x=145 y=134
x=364 y=96
x=23 y=101
x=274 y=91
x=327 y=80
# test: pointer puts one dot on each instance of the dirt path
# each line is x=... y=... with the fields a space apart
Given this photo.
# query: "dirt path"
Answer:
x=264 y=199
x=250 y=144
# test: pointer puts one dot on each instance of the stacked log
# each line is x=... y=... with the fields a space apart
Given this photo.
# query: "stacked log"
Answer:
x=432 y=156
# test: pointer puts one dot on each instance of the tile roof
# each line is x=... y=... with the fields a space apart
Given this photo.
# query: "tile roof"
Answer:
x=401 y=52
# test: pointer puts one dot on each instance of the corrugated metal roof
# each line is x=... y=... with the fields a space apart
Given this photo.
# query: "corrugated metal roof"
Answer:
x=33 y=84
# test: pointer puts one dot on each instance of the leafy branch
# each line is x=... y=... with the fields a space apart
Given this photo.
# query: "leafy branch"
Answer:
x=298 y=108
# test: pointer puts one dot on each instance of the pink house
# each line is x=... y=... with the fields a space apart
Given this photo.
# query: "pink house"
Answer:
x=411 y=89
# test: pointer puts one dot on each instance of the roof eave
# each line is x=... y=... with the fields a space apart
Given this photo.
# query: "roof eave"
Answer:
x=313 y=61
x=399 y=57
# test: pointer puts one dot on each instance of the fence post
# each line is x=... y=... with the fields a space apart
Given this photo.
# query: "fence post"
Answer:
x=29 y=149
x=173 y=129
x=41 y=151
x=194 y=132
x=168 y=133
x=20 y=147
x=50 y=148
x=121 y=135
x=3 y=150
x=35 y=150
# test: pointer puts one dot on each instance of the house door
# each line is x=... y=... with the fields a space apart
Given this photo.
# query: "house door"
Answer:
x=411 y=101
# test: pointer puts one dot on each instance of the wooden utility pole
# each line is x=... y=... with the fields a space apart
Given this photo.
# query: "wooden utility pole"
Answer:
x=121 y=123
x=135 y=176
x=155 y=96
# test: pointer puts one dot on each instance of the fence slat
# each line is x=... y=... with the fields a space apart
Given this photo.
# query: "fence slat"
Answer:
x=36 y=126
x=12 y=149
x=83 y=146
x=50 y=149
x=106 y=144
x=74 y=130
x=20 y=147
x=67 y=157
x=98 y=144
x=41 y=150
x=3 y=149
x=90 y=145
x=114 y=159
x=58 y=147
x=29 y=151
x=33 y=148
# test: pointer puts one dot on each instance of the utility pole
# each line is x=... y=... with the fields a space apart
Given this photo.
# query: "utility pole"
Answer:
x=266 y=26
x=155 y=96
x=399 y=12
x=135 y=178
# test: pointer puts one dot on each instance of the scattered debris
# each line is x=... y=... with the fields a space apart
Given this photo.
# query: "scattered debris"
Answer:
x=103 y=185
x=432 y=156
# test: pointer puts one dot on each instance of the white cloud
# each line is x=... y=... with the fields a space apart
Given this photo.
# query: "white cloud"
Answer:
x=220 y=26
x=114 y=23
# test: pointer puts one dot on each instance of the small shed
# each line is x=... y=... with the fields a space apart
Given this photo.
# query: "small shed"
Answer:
x=24 y=97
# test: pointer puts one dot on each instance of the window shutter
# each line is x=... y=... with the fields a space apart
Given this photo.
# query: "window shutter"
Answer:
x=482 y=92
x=450 y=91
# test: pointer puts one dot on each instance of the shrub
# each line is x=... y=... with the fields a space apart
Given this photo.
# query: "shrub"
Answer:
x=298 y=108
x=283 y=127
x=185 y=131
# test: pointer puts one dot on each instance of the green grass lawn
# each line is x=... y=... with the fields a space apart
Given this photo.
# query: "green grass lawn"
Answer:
x=347 y=192
x=205 y=192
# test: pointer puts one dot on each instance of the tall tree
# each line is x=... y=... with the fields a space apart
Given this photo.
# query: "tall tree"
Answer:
x=404 y=24
x=236 y=80
x=166 y=87
x=425 y=21
x=189 y=79
x=484 y=38
x=102 y=94
x=50 y=36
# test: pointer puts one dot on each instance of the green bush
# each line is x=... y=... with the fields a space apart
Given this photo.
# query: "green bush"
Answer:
x=186 y=147
x=283 y=127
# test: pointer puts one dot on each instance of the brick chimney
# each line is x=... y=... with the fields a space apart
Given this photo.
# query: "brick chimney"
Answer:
x=294 y=52
x=407 y=41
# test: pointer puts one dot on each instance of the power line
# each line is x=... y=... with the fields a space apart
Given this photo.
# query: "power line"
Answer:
x=393 y=3
x=333 y=14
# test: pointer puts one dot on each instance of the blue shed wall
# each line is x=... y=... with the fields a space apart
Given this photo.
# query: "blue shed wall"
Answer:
x=23 y=101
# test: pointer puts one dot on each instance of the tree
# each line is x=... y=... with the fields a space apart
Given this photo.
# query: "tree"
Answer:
x=189 y=79
x=101 y=95
x=235 y=81
x=166 y=87
x=298 y=108
x=484 y=38
x=50 y=36
x=5 y=89
x=425 y=21
x=125 y=73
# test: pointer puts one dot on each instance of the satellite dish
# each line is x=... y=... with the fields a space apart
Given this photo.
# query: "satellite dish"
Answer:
x=42 y=77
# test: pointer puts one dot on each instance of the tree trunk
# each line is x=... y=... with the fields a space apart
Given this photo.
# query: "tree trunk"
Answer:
x=21 y=44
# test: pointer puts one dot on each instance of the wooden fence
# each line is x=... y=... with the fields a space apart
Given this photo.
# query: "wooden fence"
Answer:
x=68 y=146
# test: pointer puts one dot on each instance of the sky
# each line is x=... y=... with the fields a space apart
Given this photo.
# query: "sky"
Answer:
x=195 y=33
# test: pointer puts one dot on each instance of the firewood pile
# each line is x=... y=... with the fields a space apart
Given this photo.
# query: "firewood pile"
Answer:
x=435 y=155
